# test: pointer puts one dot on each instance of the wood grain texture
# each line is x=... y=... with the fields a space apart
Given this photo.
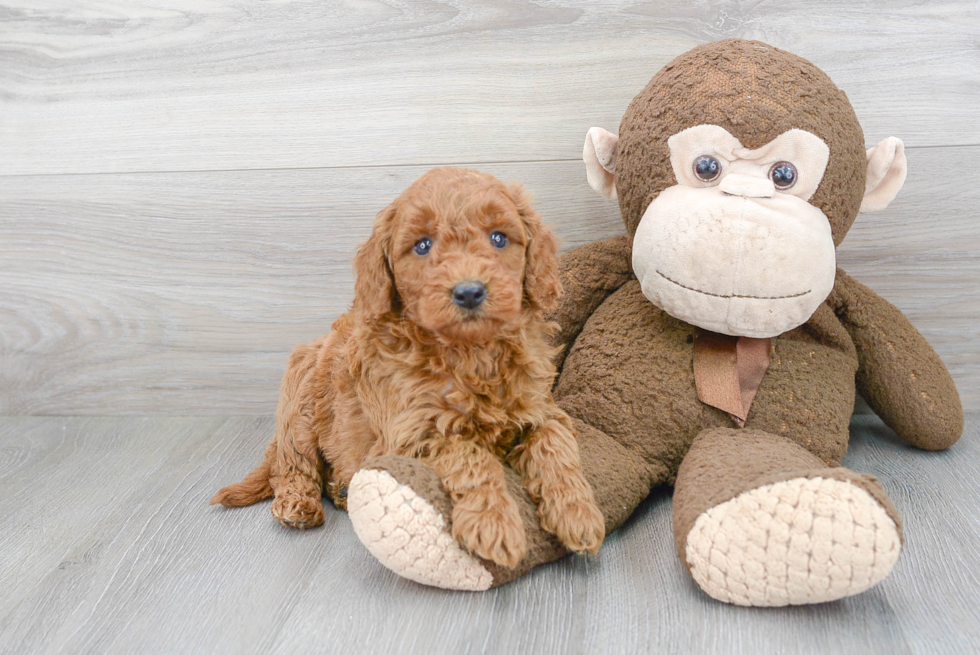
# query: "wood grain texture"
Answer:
x=114 y=86
x=183 y=293
x=117 y=551
x=182 y=186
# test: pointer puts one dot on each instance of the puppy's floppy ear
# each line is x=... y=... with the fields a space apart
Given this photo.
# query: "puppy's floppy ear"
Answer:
x=374 y=289
x=541 y=284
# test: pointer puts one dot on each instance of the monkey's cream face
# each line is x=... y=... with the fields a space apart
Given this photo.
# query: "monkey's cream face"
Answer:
x=734 y=247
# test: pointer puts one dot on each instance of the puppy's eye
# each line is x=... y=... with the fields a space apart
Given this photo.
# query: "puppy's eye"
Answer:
x=707 y=168
x=498 y=239
x=423 y=246
x=783 y=175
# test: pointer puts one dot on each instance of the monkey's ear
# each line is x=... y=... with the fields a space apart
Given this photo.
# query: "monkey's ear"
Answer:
x=599 y=154
x=374 y=288
x=887 y=167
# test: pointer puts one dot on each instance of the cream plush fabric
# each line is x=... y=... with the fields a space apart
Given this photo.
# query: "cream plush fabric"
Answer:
x=734 y=264
x=734 y=254
x=808 y=540
x=599 y=154
x=887 y=168
x=406 y=534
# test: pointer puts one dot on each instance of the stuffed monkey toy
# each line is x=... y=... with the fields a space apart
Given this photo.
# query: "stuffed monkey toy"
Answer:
x=717 y=347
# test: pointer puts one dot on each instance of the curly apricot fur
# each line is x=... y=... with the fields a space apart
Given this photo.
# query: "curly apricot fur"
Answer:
x=409 y=372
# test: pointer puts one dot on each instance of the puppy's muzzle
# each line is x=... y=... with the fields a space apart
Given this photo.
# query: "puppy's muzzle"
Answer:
x=469 y=295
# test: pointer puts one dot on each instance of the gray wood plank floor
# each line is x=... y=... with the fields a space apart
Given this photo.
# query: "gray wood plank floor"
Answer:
x=109 y=546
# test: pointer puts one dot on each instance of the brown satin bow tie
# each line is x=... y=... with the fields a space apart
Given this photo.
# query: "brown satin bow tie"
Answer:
x=728 y=371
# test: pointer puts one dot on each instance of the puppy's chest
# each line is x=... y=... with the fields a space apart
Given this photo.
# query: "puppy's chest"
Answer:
x=423 y=394
x=480 y=406
x=485 y=411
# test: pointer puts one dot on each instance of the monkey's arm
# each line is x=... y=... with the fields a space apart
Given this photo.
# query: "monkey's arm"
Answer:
x=899 y=373
x=589 y=274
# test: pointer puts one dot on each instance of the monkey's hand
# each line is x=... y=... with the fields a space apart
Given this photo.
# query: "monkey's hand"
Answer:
x=899 y=374
x=589 y=274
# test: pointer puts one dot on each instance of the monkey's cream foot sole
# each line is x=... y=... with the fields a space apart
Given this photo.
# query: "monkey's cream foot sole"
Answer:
x=806 y=540
x=408 y=535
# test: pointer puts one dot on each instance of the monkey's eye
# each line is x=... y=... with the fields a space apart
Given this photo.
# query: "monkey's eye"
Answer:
x=498 y=239
x=423 y=245
x=783 y=175
x=707 y=168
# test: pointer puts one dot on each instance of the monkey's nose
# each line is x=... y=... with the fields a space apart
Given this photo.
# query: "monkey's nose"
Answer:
x=469 y=295
x=747 y=186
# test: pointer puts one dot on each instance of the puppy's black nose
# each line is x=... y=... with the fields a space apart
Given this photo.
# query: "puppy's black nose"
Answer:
x=469 y=295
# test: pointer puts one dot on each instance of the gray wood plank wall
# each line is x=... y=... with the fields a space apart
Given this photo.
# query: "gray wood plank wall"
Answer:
x=182 y=185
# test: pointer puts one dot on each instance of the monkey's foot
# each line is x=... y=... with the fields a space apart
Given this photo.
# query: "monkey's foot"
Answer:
x=406 y=526
x=799 y=541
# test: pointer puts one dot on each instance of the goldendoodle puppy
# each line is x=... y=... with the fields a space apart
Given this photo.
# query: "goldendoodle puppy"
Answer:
x=444 y=356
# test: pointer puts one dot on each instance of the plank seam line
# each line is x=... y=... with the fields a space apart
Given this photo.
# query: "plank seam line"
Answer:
x=491 y=162
x=295 y=168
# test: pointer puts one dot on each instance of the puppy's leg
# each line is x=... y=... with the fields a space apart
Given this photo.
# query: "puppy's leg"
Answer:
x=548 y=461
x=298 y=482
x=347 y=445
x=485 y=517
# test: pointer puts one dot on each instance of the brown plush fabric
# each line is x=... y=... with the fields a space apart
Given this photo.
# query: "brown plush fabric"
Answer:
x=900 y=376
x=588 y=275
x=620 y=480
x=754 y=91
x=631 y=372
x=624 y=481
x=619 y=475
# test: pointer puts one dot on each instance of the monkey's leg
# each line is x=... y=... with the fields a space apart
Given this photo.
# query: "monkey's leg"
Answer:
x=759 y=520
x=402 y=514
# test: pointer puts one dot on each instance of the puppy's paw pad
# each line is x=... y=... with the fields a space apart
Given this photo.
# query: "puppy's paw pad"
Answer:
x=301 y=512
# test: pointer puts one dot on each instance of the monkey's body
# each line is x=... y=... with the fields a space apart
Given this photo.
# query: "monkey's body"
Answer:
x=628 y=381
x=599 y=385
x=739 y=169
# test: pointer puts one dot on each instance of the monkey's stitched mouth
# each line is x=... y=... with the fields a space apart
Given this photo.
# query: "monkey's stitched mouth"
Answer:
x=734 y=295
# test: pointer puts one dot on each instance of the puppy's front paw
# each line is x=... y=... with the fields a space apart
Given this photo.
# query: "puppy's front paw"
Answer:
x=298 y=511
x=491 y=530
x=575 y=519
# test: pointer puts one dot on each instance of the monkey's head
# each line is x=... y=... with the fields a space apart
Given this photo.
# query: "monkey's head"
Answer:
x=739 y=169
